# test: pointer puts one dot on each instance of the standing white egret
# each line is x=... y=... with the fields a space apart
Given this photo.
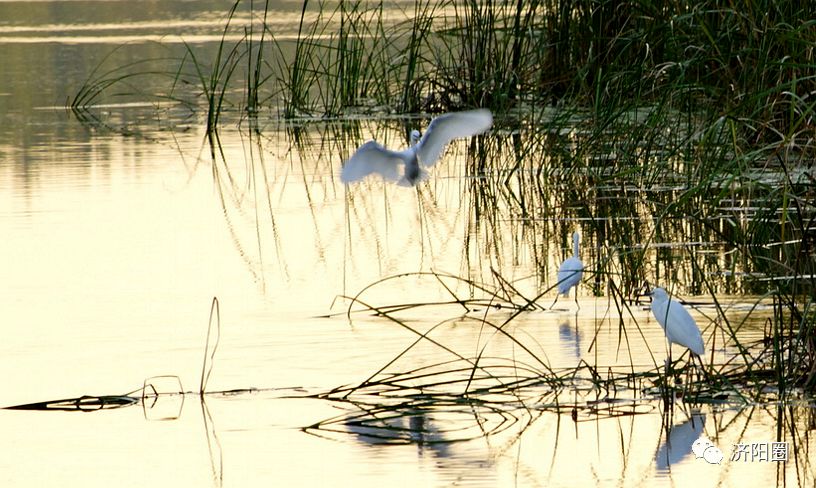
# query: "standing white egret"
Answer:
x=372 y=157
x=571 y=270
x=677 y=323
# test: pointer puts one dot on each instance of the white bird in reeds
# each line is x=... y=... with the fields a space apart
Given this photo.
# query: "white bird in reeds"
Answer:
x=373 y=157
x=571 y=270
x=677 y=323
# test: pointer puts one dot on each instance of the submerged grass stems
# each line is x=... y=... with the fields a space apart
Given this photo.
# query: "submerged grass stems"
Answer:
x=503 y=392
x=740 y=381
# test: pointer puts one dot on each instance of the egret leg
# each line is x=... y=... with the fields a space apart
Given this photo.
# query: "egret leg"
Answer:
x=702 y=366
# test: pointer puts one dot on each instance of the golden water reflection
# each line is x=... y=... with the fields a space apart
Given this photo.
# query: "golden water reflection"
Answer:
x=116 y=252
x=114 y=246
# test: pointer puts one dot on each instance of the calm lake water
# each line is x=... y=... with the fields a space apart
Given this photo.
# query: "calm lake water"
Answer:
x=116 y=239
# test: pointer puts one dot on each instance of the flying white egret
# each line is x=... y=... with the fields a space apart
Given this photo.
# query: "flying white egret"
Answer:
x=677 y=323
x=372 y=157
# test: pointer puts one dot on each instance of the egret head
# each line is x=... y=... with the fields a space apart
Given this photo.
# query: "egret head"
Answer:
x=659 y=294
x=415 y=135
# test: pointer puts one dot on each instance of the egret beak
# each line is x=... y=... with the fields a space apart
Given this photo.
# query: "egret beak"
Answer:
x=645 y=291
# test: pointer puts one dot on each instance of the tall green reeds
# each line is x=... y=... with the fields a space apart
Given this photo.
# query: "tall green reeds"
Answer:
x=753 y=62
x=215 y=78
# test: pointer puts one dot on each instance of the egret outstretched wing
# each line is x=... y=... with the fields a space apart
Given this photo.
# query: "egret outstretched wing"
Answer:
x=448 y=127
x=370 y=158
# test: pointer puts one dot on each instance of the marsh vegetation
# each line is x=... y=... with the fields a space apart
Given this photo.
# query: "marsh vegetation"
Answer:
x=679 y=138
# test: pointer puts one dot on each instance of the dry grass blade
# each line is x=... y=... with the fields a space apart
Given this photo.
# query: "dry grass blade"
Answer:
x=213 y=327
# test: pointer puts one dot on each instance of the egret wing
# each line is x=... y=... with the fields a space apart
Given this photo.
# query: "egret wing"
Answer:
x=370 y=158
x=660 y=310
x=682 y=329
x=569 y=274
x=448 y=127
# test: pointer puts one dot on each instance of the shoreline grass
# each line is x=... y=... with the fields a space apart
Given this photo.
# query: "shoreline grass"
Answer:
x=755 y=66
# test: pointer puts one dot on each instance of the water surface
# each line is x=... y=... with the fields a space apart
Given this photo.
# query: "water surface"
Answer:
x=116 y=237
